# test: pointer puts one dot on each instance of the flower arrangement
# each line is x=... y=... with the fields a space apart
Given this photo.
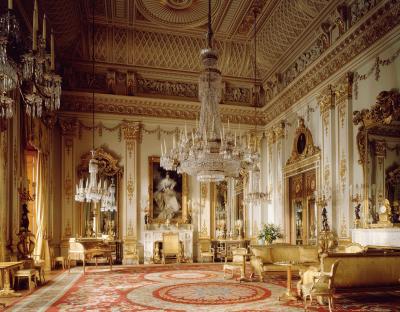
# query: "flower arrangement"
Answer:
x=270 y=232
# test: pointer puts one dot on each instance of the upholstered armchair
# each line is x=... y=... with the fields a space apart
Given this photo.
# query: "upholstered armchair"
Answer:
x=171 y=247
x=206 y=251
x=319 y=284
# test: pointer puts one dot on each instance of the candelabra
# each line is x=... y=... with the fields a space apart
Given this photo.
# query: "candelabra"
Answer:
x=327 y=239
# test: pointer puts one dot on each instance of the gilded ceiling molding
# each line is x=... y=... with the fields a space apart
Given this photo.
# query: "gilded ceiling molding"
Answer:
x=375 y=27
x=152 y=107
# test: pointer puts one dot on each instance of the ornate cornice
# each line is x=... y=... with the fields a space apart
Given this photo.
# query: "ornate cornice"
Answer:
x=151 y=107
x=385 y=19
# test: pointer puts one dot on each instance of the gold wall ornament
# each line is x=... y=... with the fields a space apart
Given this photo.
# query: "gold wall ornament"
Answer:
x=132 y=130
x=68 y=126
x=68 y=230
x=375 y=69
x=130 y=189
x=327 y=174
x=342 y=114
x=343 y=171
x=68 y=187
x=303 y=144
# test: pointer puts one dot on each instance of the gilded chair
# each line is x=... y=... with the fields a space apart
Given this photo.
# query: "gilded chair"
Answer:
x=320 y=284
x=206 y=251
x=39 y=265
x=27 y=272
x=171 y=247
x=238 y=262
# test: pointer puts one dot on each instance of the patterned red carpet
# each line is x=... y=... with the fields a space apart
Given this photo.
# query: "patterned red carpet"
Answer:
x=179 y=288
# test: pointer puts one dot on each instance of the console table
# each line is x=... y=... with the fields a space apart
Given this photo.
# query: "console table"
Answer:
x=156 y=234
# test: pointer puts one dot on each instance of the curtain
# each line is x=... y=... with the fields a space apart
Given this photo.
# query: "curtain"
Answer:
x=3 y=194
x=42 y=208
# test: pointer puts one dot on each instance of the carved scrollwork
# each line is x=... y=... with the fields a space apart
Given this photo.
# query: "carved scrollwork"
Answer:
x=303 y=144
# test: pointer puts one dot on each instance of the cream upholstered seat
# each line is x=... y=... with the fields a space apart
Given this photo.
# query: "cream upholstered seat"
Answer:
x=322 y=284
x=28 y=272
x=171 y=247
x=237 y=263
x=354 y=248
x=206 y=251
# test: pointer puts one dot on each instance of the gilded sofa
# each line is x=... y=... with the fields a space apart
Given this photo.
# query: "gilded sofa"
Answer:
x=361 y=271
x=264 y=258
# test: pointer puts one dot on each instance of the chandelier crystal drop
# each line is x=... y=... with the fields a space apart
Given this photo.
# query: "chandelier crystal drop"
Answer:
x=108 y=202
x=8 y=81
x=209 y=152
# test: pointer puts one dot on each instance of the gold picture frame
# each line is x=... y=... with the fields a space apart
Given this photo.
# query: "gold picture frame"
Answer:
x=168 y=194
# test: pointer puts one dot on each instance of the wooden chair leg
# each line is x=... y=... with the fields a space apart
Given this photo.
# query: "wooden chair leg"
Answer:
x=329 y=304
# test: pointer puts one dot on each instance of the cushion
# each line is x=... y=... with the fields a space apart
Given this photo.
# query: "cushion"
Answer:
x=263 y=253
x=308 y=254
x=285 y=253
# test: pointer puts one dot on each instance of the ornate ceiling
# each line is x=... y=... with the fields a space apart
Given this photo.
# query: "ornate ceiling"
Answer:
x=160 y=40
x=151 y=48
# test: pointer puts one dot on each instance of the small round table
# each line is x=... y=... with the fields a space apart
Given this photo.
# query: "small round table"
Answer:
x=288 y=294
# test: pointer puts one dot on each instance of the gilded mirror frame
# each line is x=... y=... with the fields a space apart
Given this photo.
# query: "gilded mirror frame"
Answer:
x=108 y=167
x=376 y=126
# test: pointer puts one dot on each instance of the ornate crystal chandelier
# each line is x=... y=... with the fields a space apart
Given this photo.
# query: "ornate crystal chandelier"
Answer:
x=42 y=86
x=210 y=153
x=255 y=196
x=9 y=29
x=39 y=68
x=93 y=190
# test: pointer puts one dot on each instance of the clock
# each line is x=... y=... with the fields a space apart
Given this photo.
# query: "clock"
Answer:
x=385 y=214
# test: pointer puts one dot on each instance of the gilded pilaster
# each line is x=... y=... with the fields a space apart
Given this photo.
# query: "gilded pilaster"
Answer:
x=344 y=155
x=326 y=101
x=69 y=208
x=130 y=210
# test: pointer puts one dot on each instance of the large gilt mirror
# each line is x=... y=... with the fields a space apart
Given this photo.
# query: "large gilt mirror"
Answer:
x=378 y=141
x=101 y=219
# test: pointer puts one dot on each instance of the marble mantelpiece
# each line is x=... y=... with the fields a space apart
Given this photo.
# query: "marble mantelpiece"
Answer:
x=384 y=237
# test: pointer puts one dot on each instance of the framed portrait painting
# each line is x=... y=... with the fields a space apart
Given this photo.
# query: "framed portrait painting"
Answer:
x=168 y=193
